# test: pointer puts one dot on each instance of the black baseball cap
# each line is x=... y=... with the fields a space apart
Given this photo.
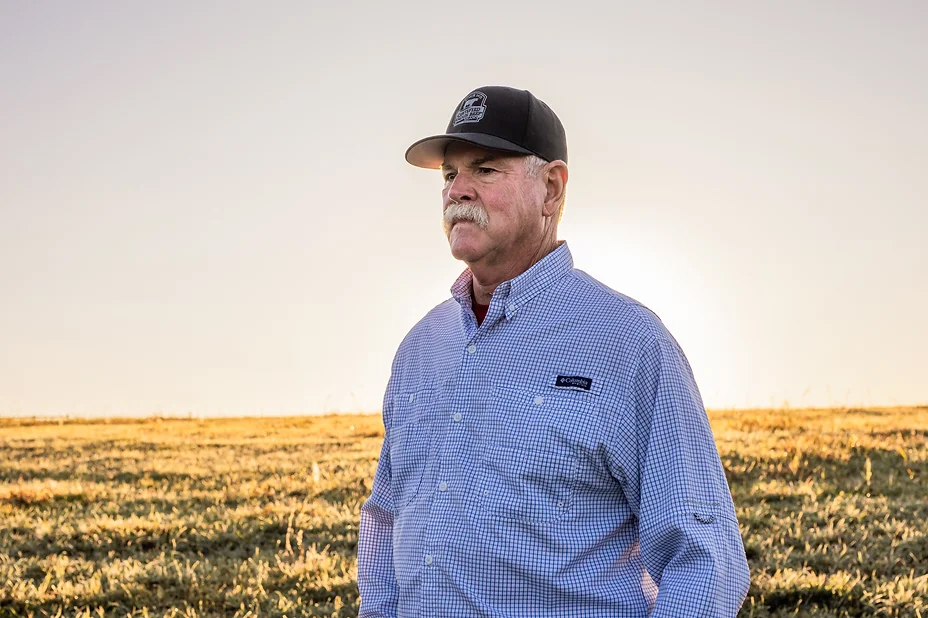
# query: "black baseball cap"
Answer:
x=499 y=118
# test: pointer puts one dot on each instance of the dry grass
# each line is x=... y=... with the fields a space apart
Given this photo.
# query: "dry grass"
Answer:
x=258 y=517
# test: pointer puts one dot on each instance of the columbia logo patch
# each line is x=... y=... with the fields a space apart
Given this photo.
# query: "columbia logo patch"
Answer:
x=573 y=382
x=472 y=109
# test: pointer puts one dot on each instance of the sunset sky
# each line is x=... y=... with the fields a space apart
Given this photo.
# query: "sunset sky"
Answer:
x=204 y=207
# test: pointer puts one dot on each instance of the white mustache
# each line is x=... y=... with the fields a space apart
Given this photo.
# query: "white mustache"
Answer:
x=458 y=211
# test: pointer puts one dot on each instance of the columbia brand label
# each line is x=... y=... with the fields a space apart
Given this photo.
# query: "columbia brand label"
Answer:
x=574 y=382
x=472 y=109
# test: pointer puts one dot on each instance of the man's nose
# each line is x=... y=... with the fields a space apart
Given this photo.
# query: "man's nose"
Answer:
x=462 y=189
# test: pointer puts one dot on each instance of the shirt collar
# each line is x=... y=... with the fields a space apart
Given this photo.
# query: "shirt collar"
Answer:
x=516 y=292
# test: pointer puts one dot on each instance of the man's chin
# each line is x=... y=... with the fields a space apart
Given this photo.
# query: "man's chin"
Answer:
x=465 y=246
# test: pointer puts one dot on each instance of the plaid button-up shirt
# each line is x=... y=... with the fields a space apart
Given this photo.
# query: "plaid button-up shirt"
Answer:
x=554 y=461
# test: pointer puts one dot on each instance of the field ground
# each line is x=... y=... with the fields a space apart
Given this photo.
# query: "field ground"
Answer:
x=258 y=517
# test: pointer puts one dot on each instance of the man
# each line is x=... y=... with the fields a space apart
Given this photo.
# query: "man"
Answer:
x=547 y=452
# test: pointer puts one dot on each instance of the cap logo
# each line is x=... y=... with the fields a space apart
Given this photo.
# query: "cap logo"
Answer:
x=472 y=109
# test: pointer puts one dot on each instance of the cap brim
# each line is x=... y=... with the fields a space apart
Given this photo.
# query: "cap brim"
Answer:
x=430 y=151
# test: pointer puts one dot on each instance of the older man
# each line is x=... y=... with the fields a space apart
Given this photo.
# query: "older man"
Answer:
x=547 y=452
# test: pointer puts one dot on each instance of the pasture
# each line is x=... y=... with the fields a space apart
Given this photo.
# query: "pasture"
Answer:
x=259 y=517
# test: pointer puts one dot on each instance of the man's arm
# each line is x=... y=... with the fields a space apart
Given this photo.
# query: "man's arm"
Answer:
x=376 y=577
x=666 y=459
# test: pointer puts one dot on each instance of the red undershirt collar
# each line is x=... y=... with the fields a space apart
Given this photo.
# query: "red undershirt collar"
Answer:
x=480 y=311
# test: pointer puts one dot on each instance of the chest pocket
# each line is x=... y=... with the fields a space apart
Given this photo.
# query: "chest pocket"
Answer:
x=410 y=440
x=530 y=447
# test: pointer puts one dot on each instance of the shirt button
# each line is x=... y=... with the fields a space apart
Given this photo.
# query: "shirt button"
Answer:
x=512 y=308
x=457 y=417
x=471 y=349
x=539 y=400
x=443 y=486
x=428 y=560
x=412 y=398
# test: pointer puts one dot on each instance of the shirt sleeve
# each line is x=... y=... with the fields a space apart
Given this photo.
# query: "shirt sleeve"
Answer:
x=376 y=576
x=664 y=455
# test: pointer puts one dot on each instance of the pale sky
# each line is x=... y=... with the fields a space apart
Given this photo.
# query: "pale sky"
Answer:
x=204 y=206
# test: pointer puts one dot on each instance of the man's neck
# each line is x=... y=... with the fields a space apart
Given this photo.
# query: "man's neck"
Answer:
x=486 y=278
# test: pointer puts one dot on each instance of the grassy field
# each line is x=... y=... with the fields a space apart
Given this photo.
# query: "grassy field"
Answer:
x=258 y=517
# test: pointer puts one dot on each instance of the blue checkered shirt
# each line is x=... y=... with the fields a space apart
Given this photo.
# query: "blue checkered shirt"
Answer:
x=554 y=461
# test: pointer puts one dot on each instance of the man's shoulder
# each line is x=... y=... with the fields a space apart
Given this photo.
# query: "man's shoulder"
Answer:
x=442 y=321
x=444 y=314
x=609 y=308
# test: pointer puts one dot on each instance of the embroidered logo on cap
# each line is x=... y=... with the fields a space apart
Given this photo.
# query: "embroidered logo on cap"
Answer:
x=473 y=107
x=573 y=382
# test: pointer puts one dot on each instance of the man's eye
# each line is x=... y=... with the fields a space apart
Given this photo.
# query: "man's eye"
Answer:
x=449 y=176
x=485 y=170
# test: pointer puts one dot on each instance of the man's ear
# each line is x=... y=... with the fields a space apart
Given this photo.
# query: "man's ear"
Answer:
x=554 y=175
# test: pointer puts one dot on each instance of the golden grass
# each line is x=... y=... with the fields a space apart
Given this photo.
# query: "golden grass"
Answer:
x=258 y=517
